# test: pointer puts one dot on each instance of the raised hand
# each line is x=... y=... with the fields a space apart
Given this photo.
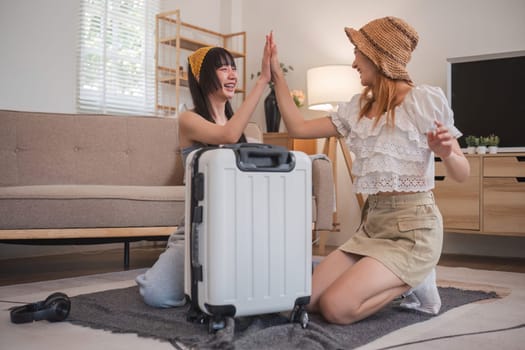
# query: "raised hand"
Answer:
x=274 y=60
x=440 y=141
x=266 y=75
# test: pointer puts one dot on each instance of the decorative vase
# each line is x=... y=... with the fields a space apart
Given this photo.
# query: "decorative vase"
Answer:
x=493 y=149
x=271 y=112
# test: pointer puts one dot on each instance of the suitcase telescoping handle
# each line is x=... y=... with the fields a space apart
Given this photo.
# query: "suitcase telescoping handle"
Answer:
x=263 y=157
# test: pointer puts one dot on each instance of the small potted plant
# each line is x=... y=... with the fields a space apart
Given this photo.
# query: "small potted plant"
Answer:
x=472 y=142
x=483 y=143
x=492 y=143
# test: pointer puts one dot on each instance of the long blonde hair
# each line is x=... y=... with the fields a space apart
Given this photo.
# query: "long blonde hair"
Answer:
x=384 y=94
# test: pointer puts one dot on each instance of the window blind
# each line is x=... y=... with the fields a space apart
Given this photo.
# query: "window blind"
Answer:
x=116 y=63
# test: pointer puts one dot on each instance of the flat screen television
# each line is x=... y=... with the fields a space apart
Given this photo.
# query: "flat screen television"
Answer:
x=487 y=95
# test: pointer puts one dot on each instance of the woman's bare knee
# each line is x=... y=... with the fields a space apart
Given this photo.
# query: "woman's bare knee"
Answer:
x=336 y=313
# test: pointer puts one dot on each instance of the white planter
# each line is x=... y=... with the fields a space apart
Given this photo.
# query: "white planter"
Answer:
x=481 y=149
x=493 y=149
x=471 y=149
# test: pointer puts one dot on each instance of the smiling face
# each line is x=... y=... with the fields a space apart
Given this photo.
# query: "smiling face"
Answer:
x=367 y=70
x=227 y=78
x=218 y=74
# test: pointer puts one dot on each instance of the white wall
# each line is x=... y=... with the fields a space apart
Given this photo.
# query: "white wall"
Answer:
x=207 y=13
x=38 y=41
x=310 y=33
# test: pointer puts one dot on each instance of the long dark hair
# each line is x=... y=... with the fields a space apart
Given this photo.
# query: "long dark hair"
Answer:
x=209 y=83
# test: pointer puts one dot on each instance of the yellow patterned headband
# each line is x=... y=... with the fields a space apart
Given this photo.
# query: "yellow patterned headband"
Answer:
x=195 y=60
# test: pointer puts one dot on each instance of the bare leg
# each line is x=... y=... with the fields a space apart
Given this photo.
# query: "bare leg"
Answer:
x=361 y=290
x=329 y=270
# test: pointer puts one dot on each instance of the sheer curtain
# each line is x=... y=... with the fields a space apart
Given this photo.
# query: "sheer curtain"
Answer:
x=116 y=63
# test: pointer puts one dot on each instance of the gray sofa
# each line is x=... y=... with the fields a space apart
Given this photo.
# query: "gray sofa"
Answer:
x=100 y=178
x=68 y=172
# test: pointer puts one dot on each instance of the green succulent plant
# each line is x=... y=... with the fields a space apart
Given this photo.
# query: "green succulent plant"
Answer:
x=472 y=141
x=484 y=141
x=492 y=140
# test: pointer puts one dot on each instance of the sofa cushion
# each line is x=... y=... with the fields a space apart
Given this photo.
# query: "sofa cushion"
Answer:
x=90 y=206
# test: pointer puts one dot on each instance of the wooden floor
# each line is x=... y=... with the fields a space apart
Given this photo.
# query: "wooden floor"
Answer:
x=26 y=270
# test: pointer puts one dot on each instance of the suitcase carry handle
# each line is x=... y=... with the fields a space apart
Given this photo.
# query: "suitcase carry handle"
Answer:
x=265 y=158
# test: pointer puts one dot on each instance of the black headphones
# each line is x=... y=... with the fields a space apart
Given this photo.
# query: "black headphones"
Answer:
x=55 y=308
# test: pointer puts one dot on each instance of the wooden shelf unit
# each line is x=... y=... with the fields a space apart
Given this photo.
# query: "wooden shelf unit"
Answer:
x=491 y=201
x=175 y=41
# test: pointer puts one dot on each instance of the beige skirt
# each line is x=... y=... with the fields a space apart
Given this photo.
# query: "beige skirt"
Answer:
x=403 y=232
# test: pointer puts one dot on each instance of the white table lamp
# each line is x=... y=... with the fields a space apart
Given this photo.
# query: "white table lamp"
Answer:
x=329 y=85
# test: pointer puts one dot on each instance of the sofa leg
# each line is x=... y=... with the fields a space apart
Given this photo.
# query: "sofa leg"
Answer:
x=126 y=255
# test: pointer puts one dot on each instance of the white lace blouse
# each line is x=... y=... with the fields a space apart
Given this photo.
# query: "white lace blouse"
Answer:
x=395 y=159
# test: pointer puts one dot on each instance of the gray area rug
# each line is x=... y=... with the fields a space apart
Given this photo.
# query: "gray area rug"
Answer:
x=123 y=311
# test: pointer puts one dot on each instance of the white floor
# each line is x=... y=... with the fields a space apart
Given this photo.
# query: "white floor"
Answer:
x=478 y=317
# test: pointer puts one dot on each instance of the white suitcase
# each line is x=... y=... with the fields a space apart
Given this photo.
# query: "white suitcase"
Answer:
x=248 y=232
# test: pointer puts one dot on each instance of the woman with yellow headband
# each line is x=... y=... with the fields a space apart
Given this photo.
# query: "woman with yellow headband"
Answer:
x=212 y=81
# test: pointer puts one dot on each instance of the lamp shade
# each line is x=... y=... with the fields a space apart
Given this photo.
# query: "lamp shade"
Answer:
x=329 y=85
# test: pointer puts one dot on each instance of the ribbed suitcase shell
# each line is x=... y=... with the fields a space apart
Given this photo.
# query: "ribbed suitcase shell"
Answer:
x=254 y=241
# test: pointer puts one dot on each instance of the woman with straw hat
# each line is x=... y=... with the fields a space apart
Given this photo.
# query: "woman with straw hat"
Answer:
x=395 y=128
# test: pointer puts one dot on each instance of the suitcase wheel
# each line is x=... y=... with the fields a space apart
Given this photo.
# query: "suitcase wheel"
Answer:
x=216 y=324
x=300 y=315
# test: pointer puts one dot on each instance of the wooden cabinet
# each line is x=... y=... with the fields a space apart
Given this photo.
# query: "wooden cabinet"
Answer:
x=491 y=201
x=175 y=41
x=308 y=146
x=459 y=203
x=504 y=194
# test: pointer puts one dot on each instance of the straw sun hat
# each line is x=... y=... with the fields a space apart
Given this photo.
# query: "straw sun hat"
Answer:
x=388 y=42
